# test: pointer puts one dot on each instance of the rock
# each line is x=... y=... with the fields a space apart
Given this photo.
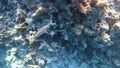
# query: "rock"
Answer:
x=105 y=37
x=84 y=65
x=28 y=57
x=54 y=45
x=28 y=20
x=104 y=40
x=105 y=66
x=12 y=51
x=94 y=60
x=41 y=61
x=104 y=27
x=1 y=17
x=11 y=55
x=22 y=51
x=78 y=29
x=116 y=30
x=66 y=37
x=33 y=66
x=19 y=12
x=40 y=8
x=89 y=32
x=116 y=62
x=20 y=26
x=17 y=64
x=18 y=38
x=31 y=4
x=100 y=2
x=10 y=58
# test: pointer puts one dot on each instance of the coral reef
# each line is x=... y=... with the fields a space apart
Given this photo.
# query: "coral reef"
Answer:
x=59 y=33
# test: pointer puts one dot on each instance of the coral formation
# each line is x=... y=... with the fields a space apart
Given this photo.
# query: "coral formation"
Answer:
x=59 y=33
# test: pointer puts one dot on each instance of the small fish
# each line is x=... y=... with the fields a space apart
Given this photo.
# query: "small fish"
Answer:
x=40 y=32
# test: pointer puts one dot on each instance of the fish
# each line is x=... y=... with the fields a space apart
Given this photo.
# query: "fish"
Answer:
x=40 y=32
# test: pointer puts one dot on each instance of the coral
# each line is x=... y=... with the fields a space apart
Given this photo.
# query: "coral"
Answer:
x=104 y=27
x=116 y=30
x=59 y=33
